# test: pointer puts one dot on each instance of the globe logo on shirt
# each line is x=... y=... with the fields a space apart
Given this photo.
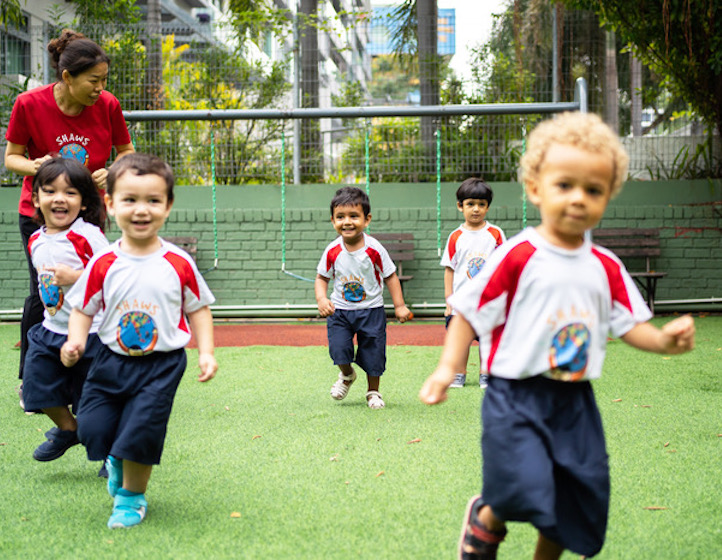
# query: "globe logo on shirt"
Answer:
x=76 y=152
x=50 y=294
x=354 y=292
x=569 y=354
x=474 y=266
x=137 y=333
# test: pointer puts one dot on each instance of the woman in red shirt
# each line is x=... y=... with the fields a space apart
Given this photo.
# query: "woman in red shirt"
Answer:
x=72 y=118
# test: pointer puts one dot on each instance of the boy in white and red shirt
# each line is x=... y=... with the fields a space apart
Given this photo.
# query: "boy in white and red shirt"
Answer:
x=150 y=294
x=359 y=266
x=543 y=307
x=467 y=249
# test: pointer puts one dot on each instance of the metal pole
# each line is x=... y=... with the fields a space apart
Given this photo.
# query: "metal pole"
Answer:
x=581 y=95
x=555 y=55
x=359 y=112
x=296 y=100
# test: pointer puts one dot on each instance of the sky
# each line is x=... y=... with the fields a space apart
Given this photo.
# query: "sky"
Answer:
x=473 y=26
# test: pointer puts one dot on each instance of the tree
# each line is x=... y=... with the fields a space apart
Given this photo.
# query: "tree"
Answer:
x=678 y=39
x=10 y=12
x=418 y=35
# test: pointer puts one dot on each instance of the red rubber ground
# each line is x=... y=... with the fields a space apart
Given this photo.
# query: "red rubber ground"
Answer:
x=414 y=333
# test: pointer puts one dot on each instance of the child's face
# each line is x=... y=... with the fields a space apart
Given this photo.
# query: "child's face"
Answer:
x=140 y=207
x=60 y=203
x=350 y=222
x=571 y=190
x=474 y=210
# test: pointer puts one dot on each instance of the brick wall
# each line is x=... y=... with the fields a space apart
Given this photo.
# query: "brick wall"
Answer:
x=250 y=242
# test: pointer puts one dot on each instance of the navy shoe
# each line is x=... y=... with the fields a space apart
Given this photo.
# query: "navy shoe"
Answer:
x=59 y=441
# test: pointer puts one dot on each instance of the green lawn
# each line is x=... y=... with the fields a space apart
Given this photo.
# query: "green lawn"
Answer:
x=262 y=463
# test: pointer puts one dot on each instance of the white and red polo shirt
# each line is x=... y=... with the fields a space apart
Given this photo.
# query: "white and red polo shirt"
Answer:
x=467 y=250
x=144 y=299
x=73 y=247
x=543 y=310
x=358 y=276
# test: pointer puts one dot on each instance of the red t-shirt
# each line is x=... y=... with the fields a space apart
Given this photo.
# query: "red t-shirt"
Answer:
x=38 y=123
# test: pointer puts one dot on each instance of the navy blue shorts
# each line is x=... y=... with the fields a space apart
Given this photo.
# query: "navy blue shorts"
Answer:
x=545 y=459
x=369 y=326
x=126 y=404
x=47 y=382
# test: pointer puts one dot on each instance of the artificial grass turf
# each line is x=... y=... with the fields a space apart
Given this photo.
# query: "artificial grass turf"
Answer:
x=315 y=478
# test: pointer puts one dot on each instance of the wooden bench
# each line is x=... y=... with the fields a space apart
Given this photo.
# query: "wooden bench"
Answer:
x=634 y=245
x=187 y=243
x=400 y=247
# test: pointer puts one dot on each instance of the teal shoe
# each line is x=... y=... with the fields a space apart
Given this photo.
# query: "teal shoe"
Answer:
x=127 y=511
x=114 y=466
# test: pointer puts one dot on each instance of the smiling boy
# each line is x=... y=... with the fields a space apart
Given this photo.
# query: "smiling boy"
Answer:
x=360 y=266
x=151 y=295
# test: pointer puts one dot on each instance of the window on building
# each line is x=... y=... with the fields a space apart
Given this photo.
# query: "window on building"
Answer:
x=15 y=49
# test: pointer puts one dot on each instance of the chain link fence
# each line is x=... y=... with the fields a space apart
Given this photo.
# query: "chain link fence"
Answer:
x=211 y=66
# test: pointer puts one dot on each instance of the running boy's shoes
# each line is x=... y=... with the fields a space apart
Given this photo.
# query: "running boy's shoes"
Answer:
x=127 y=510
x=59 y=441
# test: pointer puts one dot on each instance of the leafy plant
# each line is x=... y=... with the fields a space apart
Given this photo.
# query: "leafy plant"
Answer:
x=702 y=163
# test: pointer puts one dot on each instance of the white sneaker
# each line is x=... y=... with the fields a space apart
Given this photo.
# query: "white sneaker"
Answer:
x=483 y=380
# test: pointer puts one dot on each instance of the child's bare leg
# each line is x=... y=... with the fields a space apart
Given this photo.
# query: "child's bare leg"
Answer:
x=546 y=549
x=347 y=371
x=490 y=521
x=373 y=382
x=62 y=417
x=136 y=476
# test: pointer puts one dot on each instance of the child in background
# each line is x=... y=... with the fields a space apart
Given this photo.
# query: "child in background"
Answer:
x=148 y=292
x=543 y=307
x=359 y=265
x=467 y=249
x=70 y=212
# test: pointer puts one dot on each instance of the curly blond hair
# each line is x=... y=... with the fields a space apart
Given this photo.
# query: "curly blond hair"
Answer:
x=582 y=130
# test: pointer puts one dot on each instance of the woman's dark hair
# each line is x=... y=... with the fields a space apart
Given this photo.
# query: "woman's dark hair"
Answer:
x=74 y=52
x=351 y=196
x=79 y=177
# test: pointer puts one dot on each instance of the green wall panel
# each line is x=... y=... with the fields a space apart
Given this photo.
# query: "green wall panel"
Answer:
x=249 y=237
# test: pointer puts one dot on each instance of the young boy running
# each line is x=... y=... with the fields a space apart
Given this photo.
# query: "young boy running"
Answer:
x=151 y=295
x=467 y=249
x=359 y=265
x=543 y=307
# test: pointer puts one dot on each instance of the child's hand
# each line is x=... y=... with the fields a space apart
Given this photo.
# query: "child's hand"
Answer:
x=99 y=177
x=680 y=333
x=325 y=307
x=208 y=366
x=403 y=314
x=70 y=353
x=63 y=275
x=433 y=391
x=447 y=311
